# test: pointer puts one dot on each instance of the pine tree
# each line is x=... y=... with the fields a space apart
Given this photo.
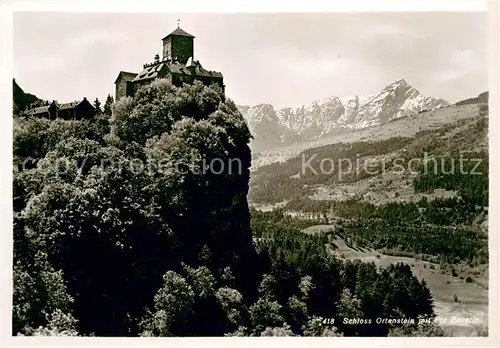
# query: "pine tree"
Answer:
x=97 y=106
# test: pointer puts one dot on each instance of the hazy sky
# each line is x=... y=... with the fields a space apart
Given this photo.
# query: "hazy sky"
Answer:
x=282 y=59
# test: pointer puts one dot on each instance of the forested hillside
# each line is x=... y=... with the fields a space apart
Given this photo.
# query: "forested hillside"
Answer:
x=481 y=98
x=21 y=100
x=420 y=199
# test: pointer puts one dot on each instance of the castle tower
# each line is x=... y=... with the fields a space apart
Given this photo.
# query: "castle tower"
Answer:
x=178 y=45
x=178 y=66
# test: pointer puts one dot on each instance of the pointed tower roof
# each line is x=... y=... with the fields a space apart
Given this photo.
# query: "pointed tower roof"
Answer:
x=178 y=32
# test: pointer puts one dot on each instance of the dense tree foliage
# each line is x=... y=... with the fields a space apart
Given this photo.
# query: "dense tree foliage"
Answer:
x=465 y=173
x=121 y=230
x=308 y=282
x=449 y=245
x=444 y=211
x=97 y=106
x=108 y=104
x=40 y=296
x=438 y=230
x=114 y=230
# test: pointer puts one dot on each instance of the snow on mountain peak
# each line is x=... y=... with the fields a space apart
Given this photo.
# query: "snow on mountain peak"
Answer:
x=323 y=118
x=400 y=82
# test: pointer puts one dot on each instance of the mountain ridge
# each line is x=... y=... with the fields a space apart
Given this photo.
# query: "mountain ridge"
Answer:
x=21 y=99
x=275 y=127
x=481 y=98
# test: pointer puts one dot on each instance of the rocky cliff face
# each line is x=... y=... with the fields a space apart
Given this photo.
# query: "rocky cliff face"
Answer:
x=272 y=128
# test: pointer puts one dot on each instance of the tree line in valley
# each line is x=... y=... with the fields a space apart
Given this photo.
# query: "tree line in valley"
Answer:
x=465 y=173
x=339 y=289
x=442 y=228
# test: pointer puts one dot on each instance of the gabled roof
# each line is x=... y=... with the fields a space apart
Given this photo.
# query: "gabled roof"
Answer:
x=38 y=110
x=62 y=106
x=178 y=32
x=153 y=71
x=69 y=105
x=149 y=72
x=195 y=69
x=127 y=76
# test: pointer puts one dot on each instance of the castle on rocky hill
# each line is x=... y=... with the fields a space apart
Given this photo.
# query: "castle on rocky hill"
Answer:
x=177 y=65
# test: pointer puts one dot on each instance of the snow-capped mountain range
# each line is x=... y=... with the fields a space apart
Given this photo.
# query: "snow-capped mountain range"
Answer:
x=273 y=128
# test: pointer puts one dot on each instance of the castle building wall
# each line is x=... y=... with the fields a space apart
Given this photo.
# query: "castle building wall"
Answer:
x=178 y=48
x=181 y=48
x=121 y=89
